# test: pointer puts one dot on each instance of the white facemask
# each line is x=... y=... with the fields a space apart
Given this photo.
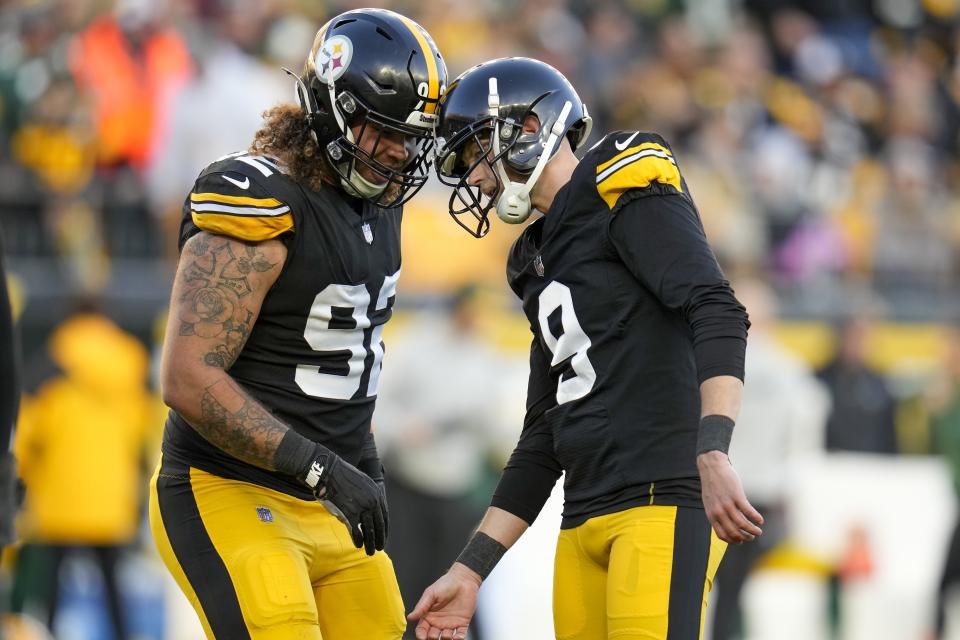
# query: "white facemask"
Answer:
x=513 y=203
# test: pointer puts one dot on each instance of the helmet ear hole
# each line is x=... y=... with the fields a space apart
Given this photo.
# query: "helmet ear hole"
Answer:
x=580 y=131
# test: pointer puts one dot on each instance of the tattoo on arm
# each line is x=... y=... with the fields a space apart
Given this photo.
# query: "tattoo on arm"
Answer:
x=213 y=305
x=220 y=286
x=234 y=422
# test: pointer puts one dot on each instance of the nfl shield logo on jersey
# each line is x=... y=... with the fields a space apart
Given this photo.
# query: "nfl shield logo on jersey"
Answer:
x=367 y=233
x=264 y=514
x=538 y=265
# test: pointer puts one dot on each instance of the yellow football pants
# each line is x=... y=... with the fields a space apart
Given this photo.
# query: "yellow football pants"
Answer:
x=257 y=564
x=639 y=574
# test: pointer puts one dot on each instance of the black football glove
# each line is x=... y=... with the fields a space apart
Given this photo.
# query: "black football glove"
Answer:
x=351 y=495
x=369 y=464
x=384 y=508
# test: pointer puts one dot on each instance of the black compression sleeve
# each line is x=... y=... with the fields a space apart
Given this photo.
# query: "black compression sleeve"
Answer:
x=532 y=470
x=526 y=482
x=9 y=360
x=661 y=240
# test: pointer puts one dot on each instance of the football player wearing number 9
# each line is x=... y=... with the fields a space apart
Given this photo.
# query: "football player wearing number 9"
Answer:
x=636 y=364
x=269 y=483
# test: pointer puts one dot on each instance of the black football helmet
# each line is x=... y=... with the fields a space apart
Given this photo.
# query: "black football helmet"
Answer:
x=374 y=68
x=487 y=106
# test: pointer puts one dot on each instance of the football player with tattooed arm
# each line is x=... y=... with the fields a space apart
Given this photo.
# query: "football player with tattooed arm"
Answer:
x=268 y=505
x=636 y=364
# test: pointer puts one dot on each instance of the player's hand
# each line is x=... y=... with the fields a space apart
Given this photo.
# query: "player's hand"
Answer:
x=356 y=499
x=446 y=607
x=728 y=510
x=373 y=468
x=384 y=508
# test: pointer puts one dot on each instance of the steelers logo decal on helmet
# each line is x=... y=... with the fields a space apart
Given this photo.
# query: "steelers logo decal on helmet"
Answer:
x=333 y=58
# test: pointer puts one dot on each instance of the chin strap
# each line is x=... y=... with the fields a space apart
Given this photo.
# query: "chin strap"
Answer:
x=360 y=187
x=513 y=204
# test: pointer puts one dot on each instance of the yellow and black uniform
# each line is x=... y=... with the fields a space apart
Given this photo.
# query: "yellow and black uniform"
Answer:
x=255 y=552
x=313 y=356
x=630 y=312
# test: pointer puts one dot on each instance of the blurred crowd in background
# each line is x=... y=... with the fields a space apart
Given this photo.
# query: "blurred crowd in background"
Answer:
x=820 y=139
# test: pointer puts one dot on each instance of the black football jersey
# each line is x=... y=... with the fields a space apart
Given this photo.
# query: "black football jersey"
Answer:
x=314 y=354
x=619 y=285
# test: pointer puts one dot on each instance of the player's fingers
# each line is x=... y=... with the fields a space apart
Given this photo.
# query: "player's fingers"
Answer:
x=369 y=534
x=739 y=510
x=422 y=630
x=385 y=512
x=356 y=533
x=736 y=526
x=718 y=528
x=724 y=528
x=745 y=526
x=732 y=537
x=747 y=509
x=423 y=605
x=379 y=528
x=434 y=634
x=748 y=527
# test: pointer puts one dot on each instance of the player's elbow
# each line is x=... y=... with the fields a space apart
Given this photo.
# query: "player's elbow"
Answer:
x=173 y=392
x=178 y=385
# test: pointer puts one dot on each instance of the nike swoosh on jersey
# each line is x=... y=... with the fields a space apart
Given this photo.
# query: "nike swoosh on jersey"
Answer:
x=621 y=145
x=245 y=184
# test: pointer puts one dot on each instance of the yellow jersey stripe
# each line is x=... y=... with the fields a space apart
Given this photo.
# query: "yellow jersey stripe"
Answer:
x=243 y=200
x=631 y=151
x=639 y=155
x=637 y=172
x=247 y=228
x=433 y=75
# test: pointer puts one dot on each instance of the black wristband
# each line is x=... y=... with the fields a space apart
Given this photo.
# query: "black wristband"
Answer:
x=295 y=454
x=481 y=554
x=714 y=434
